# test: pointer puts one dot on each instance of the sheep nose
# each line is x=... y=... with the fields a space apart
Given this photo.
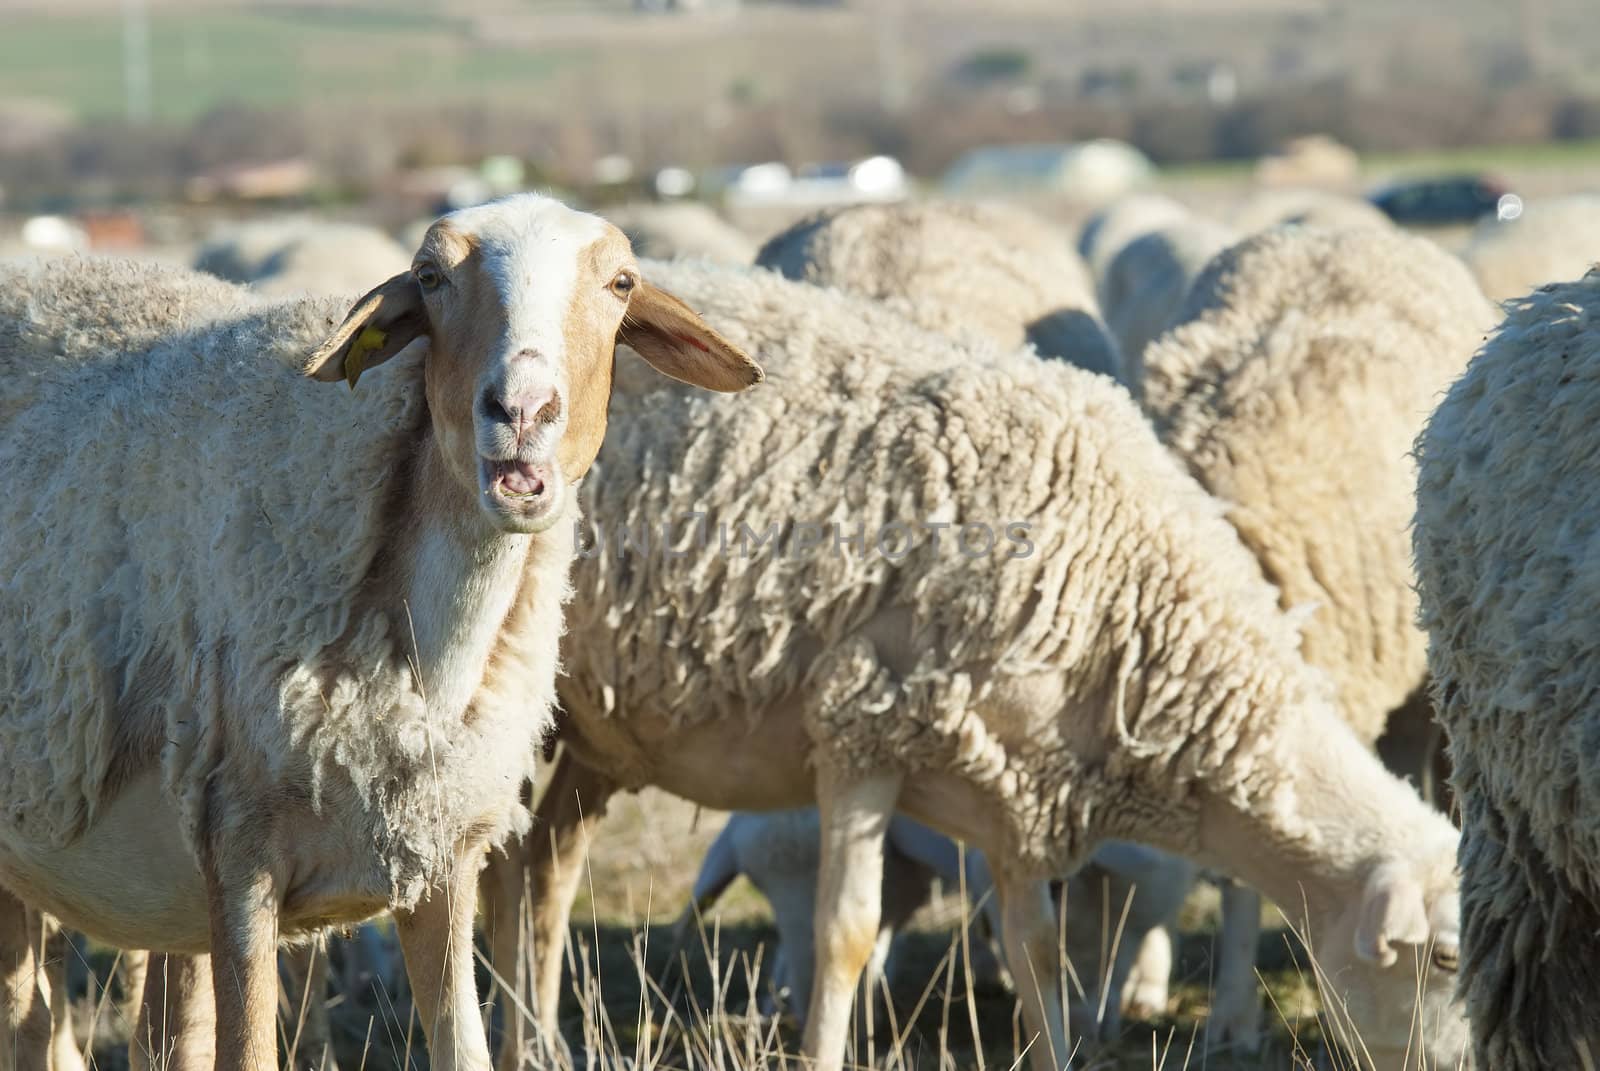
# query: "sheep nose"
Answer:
x=522 y=410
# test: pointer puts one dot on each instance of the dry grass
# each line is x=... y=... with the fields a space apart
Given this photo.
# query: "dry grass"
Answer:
x=632 y=1000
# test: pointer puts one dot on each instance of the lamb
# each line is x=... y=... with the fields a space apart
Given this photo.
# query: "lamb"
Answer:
x=1504 y=522
x=1146 y=281
x=291 y=256
x=1550 y=242
x=295 y=670
x=957 y=268
x=682 y=229
x=1133 y=676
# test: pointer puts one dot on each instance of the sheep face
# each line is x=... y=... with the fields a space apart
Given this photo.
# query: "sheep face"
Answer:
x=521 y=303
x=1388 y=966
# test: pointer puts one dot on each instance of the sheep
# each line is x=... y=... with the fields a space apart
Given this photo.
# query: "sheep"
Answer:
x=1309 y=208
x=295 y=669
x=283 y=257
x=36 y=1029
x=1146 y=281
x=681 y=229
x=1298 y=372
x=778 y=851
x=1504 y=522
x=956 y=268
x=1089 y=652
x=1549 y=242
x=1108 y=231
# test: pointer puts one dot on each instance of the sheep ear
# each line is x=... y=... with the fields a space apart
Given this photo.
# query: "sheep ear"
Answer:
x=380 y=325
x=1393 y=912
x=677 y=343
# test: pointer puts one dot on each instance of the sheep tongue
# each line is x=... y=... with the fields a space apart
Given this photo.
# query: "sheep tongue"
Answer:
x=521 y=478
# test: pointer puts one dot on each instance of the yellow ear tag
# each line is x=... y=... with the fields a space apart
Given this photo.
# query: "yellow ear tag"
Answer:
x=369 y=341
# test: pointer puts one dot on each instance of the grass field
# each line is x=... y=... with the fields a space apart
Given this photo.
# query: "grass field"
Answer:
x=264 y=56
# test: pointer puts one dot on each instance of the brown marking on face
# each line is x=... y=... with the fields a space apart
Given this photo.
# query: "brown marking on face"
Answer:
x=590 y=329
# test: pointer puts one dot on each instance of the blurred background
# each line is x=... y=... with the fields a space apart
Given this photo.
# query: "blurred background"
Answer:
x=134 y=122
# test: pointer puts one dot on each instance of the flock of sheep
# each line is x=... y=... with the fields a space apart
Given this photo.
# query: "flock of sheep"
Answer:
x=1117 y=555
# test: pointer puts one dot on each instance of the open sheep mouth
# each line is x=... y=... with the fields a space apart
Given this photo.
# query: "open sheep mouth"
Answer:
x=517 y=479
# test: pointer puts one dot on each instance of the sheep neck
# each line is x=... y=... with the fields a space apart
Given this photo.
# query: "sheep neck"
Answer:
x=462 y=576
x=1312 y=843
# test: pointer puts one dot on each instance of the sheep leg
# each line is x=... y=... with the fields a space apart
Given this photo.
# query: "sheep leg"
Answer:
x=1146 y=987
x=529 y=889
x=58 y=949
x=244 y=964
x=436 y=939
x=855 y=817
x=131 y=971
x=305 y=988
x=175 y=1025
x=1033 y=951
x=25 y=1044
x=1236 y=1010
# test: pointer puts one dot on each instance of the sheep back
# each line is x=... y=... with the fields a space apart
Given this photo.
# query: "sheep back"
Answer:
x=1302 y=366
x=957 y=268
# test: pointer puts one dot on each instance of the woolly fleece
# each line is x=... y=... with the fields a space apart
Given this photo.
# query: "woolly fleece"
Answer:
x=1300 y=371
x=233 y=567
x=962 y=269
x=1508 y=503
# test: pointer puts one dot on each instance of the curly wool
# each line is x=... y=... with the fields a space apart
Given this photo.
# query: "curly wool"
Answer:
x=1551 y=241
x=1299 y=372
x=966 y=270
x=229 y=568
x=1508 y=502
x=1137 y=601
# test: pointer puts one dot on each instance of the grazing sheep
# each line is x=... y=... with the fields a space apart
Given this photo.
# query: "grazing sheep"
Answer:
x=1087 y=652
x=1552 y=241
x=682 y=229
x=1299 y=371
x=1146 y=282
x=294 y=671
x=957 y=268
x=1308 y=208
x=282 y=257
x=1504 y=538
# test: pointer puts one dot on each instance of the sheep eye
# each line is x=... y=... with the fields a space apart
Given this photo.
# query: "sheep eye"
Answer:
x=623 y=284
x=1446 y=958
x=428 y=277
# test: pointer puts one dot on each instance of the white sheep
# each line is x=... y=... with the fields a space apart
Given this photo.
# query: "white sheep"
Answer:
x=1109 y=230
x=292 y=669
x=1550 y=241
x=297 y=255
x=1296 y=376
x=1504 y=538
x=1088 y=652
x=681 y=229
x=959 y=268
x=1145 y=284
